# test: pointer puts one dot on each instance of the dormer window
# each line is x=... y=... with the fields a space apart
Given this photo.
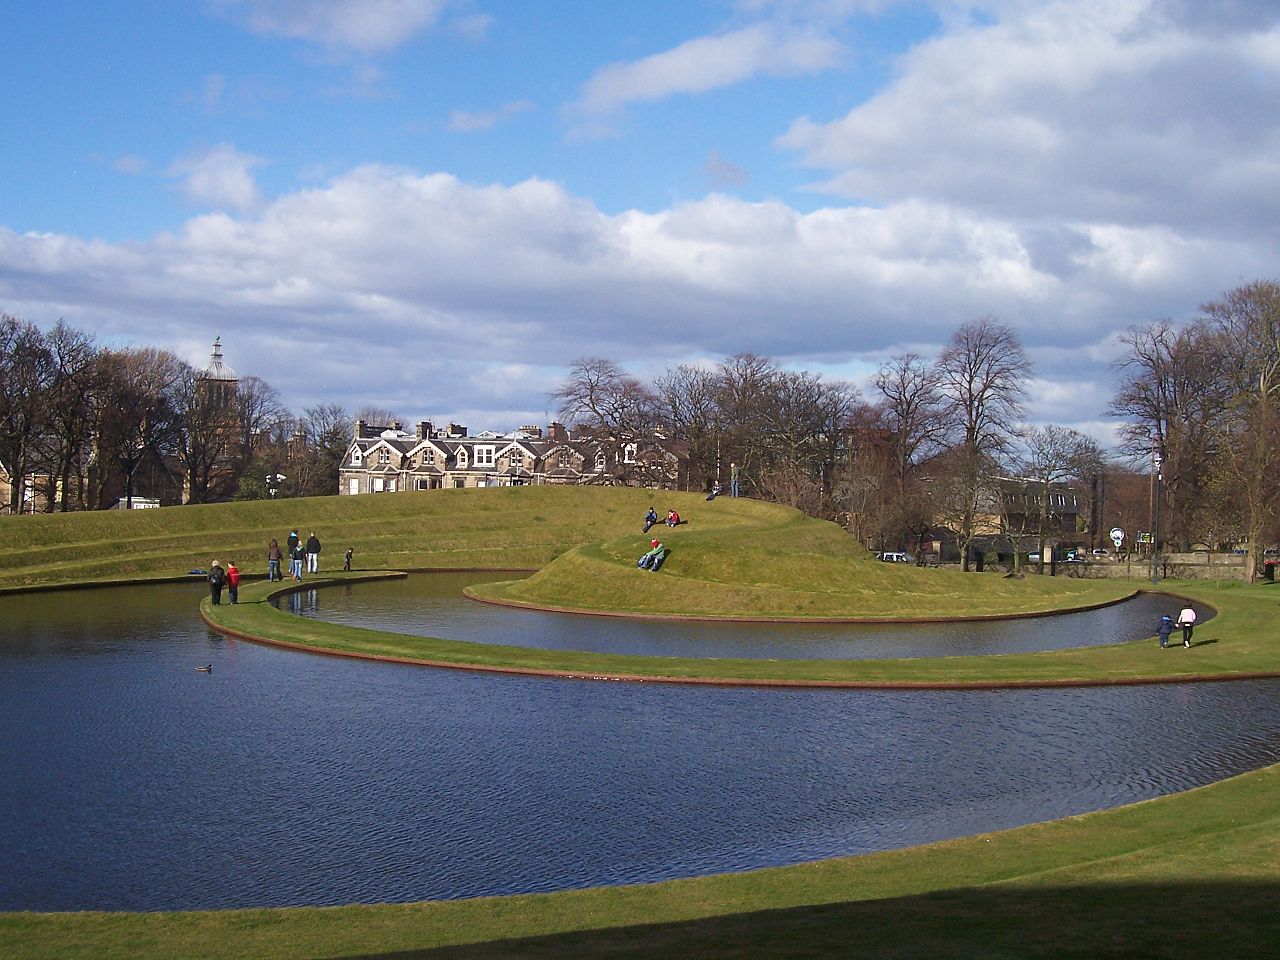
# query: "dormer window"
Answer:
x=485 y=456
x=601 y=460
x=462 y=458
x=356 y=457
x=629 y=453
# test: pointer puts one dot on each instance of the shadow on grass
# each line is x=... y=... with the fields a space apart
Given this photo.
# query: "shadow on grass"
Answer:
x=1176 y=920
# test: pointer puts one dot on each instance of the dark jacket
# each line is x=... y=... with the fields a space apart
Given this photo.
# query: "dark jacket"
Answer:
x=217 y=577
x=313 y=544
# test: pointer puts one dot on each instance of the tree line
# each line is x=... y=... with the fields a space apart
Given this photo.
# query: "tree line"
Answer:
x=921 y=448
x=81 y=426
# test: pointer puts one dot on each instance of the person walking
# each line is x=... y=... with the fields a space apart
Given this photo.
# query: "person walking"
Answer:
x=217 y=580
x=274 y=556
x=313 y=553
x=233 y=581
x=1187 y=621
x=296 y=560
x=291 y=544
x=1163 y=629
x=346 y=559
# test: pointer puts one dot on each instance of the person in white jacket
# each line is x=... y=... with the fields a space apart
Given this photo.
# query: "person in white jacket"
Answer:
x=1187 y=621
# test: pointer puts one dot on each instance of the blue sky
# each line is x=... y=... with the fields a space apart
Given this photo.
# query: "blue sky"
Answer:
x=435 y=205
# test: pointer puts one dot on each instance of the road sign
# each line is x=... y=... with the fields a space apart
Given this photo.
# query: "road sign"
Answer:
x=1117 y=536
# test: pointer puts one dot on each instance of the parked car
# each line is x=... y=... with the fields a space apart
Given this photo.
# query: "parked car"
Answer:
x=894 y=556
x=1033 y=558
x=1101 y=552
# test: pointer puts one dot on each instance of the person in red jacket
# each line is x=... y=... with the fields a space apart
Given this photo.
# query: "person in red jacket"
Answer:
x=233 y=581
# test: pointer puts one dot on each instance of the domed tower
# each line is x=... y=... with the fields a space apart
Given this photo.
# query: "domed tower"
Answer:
x=217 y=380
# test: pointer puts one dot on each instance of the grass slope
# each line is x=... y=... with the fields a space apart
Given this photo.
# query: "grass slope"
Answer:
x=1185 y=876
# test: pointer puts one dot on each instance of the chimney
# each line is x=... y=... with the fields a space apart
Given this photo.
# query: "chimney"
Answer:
x=557 y=432
x=457 y=430
x=395 y=425
x=532 y=430
x=424 y=429
x=360 y=425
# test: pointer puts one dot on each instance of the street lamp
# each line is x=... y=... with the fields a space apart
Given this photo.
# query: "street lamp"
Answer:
x=1155 y=526
x=273 y=483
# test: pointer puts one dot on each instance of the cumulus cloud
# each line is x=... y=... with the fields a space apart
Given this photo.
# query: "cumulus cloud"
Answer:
x=707 y=63
x=220 y=177
x=1119 y=111
x=369 y=26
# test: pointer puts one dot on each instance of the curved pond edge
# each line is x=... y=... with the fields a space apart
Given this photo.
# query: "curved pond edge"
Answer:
x=852 y=621
x=257 y=621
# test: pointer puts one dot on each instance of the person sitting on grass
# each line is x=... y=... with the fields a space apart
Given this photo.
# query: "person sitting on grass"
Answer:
x=673 y=519
x=655 y=555
x=650 y=519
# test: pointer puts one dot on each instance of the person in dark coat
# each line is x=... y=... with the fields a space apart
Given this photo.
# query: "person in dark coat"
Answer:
x=650 y=519
x=313 y=553
x=1163 y=629
x=292 y=543
x=217 y=580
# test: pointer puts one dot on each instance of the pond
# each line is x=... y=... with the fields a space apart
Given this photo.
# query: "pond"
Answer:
x=131 y=781
x=432 y=605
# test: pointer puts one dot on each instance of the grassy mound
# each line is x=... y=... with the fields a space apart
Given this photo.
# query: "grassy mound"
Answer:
x=453 y=529
x=749 y=559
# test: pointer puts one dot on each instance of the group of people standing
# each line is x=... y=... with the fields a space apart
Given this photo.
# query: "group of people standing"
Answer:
x=299 y=555
x=303 y=556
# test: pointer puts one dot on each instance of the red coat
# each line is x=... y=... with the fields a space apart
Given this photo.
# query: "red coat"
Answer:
x=233 y=577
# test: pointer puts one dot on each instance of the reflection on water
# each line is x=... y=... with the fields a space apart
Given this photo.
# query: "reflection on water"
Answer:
x=433 y=605
x=132 y=781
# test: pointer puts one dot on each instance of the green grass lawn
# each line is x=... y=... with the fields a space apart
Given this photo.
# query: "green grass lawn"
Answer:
x=1185 y=876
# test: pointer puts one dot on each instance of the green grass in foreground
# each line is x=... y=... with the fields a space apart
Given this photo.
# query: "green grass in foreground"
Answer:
x=1186 y=876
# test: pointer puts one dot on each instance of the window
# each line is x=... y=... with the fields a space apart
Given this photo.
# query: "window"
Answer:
x=462 y=459
x=384 y=456
x=377 y=484
x=391 y=485
x=517 y=460
x=629 y=453
x=601 y=461
x=484 y=456
x=353 y=486
x=356 y=457
x=424 y=483
x=459 y=483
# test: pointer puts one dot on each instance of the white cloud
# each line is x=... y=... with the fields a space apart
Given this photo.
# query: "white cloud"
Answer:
x=708 y=63
x=367 y=26
x=219 y=177
x=1108 y=110
x=467 y=121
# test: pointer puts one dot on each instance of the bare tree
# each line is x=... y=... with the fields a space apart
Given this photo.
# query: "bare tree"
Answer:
x=913 y=410
x=27 y=374
x=72 y=407
x=1054 y=455
x=140 y=418
x=981 y=374
x=600 y=397
x=1247 y=321
x=1174 y=396
x=691 y=412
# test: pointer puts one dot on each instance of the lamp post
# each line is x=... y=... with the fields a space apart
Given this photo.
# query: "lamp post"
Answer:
x=1155 y=526
x=273 y=483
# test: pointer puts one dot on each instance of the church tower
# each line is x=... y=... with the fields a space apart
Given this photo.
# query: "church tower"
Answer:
x=217 y=380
